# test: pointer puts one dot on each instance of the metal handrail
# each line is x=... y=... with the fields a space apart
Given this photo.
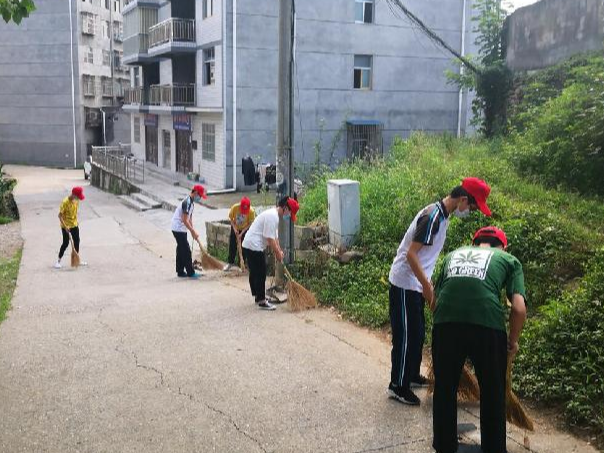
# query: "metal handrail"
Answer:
x=134 y=95
x=172 y=29
x=118 y=161
x=171 y=95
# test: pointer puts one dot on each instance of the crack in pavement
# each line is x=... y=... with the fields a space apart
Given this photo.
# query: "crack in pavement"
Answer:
x=132 y=354
x=399 y=444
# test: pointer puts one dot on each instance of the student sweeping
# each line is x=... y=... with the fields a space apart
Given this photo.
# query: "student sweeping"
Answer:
x=241 y=216
x=68 y=220
x=469 y=322
x=264 y=233
x=410 y=284
x=182 y=221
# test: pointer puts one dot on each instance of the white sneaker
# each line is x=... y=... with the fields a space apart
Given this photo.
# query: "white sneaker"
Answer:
x=83 y=263
x=58 y=265
x=227 y=267
x=265 y=305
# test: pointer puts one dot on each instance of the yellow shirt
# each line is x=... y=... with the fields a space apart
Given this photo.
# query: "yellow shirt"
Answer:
x=69 y=212
x=242 y=221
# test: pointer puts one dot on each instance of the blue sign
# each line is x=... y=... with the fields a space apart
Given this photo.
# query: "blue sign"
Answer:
x=181 y=122
x=150 y=120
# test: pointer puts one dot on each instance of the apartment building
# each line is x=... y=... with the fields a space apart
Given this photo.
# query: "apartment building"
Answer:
x=204 y=80
x=61 y=82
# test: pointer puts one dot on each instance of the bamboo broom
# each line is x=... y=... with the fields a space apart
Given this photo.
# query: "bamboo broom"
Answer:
x=75 y=257
x=514 y=411
x=240 y=251
x=468 y=389
x=298 y=297
x=208 y=262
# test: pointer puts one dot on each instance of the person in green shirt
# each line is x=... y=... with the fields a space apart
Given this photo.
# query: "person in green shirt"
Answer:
x=469 y=322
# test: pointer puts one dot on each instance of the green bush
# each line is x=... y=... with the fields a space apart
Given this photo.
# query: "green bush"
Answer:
x=551 y=232
x=559 y=137
x=561 y=357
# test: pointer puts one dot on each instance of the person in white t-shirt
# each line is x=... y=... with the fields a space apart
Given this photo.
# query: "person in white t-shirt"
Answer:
x=264 y=233
x=182 y=221
x=410 y=285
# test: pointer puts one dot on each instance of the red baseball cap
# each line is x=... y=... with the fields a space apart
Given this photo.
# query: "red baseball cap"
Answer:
x=492 y=232
x=294 y=207
x=244 y=205
x=200 y=190
x=78 y=192
x=480 y=190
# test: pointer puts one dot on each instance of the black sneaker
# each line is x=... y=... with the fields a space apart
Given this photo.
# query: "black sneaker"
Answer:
x=405 y=396
x=419 y=382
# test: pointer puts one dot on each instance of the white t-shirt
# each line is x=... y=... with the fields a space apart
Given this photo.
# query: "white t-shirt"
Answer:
x=264 y=227
x=186 y=206
x=430 y=229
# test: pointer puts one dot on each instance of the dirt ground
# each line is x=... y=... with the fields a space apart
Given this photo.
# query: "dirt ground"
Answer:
x=10 y=240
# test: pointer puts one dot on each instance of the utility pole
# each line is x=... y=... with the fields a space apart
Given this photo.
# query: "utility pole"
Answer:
x=285 y=127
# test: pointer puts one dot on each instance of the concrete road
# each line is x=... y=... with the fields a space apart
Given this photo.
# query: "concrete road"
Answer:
x=122 y=356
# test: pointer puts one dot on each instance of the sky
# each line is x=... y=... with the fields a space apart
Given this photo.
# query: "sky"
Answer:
x=520 y=3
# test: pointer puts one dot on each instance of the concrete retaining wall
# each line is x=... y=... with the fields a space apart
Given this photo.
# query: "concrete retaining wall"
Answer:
x=550 y=31
x=109 y=182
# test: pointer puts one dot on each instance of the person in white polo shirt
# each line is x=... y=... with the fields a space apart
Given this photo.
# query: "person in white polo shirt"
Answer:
x=265 y=232
x=410 y=285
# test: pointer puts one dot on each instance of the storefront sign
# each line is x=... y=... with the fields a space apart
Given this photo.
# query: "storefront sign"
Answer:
x=181 y=122
x=151 y=120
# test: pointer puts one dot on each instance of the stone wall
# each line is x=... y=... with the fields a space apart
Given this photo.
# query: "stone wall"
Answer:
x=550 y=31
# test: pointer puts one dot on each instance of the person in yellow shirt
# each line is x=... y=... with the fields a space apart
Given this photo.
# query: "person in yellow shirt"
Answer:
x=68 y=218
x=241 y=216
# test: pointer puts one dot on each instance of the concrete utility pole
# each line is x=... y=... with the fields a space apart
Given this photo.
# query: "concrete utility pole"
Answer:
x=285 y=126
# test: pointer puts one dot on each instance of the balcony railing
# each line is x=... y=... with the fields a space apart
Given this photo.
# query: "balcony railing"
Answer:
x=172 y=95
x=171 y=30
x=135 y=96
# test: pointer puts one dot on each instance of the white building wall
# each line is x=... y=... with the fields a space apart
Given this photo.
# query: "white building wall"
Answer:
x=165 y=72
x=209 y=34
x=211 y=171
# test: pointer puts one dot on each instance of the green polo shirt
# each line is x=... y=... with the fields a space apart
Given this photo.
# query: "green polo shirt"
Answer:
x=469 y=286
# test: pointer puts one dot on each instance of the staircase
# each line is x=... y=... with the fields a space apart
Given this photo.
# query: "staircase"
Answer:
x=140 y=202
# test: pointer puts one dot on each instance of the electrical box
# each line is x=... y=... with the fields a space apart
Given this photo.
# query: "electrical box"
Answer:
x=344 y=212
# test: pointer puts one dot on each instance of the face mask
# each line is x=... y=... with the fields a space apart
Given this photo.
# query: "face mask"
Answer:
x=197 y=199
x=461 y=214
x=287 y=216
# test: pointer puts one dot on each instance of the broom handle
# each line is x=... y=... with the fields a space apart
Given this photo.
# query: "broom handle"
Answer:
x=241 y=262
x=287 y=274
x=70 y=238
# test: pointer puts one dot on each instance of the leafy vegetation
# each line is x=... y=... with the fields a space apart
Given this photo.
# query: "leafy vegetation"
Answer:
x=8 y=207
x=8 y=280
x=558 y=137
x=16 y=10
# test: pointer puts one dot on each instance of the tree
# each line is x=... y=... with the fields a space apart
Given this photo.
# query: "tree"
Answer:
x=16 y=10
x=493 y=81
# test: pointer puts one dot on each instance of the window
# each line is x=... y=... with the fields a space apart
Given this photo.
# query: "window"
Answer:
x=88 y=55
x=118 y=31
x=167 y=150
x=208 y=142
x=208 y=66
x=117 y=7
x=105 y=29
x=106 y=4
x=208 y=8
x=363 y=12
x=88 y=23
x=136 y=82
x=88 y=85
x=362 y=72
x=137 y=129
x=106 y=87
x=106 y=58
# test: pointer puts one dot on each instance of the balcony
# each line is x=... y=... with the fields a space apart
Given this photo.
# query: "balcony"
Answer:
x=131 y=4
x=135 y=49
x=135 y=96
x=173 y=35
x=177 y=95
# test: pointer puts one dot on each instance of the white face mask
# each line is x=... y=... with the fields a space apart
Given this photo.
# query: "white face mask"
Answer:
x=461 y=214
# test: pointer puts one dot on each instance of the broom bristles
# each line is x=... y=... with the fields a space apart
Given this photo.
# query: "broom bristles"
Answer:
x=514 y=411
x=299 y=298
x=468 y=389
x=75 y=258
x=209 y=262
